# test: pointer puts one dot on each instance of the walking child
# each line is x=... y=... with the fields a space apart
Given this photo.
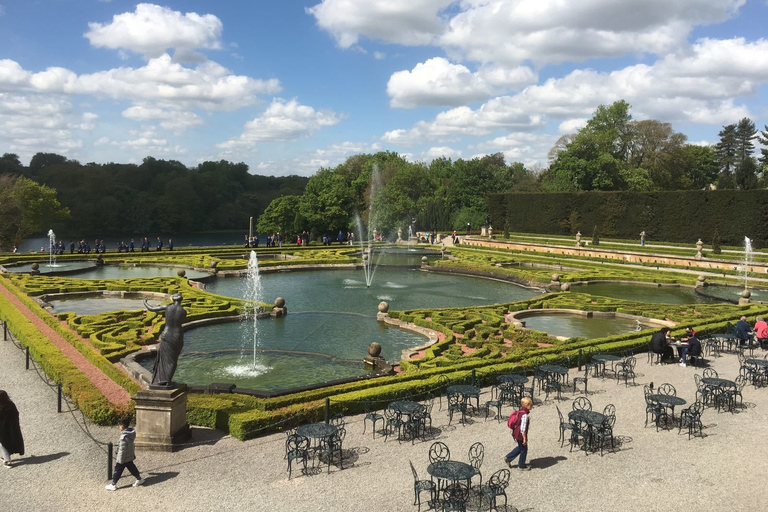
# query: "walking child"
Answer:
x=125 y=455
x=519 y=424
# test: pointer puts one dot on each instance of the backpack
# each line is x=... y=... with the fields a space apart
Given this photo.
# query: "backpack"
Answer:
x=515 y=421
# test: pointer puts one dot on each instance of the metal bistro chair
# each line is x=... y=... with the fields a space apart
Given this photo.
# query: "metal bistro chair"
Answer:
x=691 y=418
x=455 y=498
x=438 y=452
x=456 y=403
x=373 y=416
x=476 y=454
x=420 y=486
x=709 y=373
x=653 y=409
x=605 y=431
x=426 y=414
x=626 y=369
x=496 y=486
x=552 y=385
x=332 y=445
x=590 y=363
x=703 y=392
x=581 y=404
x=564 y=425
x=296 y=448
x=583 y=380
x=393 y=424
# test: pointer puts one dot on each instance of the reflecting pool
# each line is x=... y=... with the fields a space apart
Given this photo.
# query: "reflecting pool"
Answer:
x=95 y=305
x=643 y=293
x=574 y=325
x=733 y=293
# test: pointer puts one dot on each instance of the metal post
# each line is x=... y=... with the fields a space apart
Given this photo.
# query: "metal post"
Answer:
x=580 y=359
x=27 y=351
x=473 y=377
x=59 y=398
x=110 y=446
x=327 y=410
x=5 y=331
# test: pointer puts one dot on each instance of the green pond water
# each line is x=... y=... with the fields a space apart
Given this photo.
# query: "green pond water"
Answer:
x=733 y=293
x=572 y=325
x=94 y=306
x=87 y=270
x=643 y=293
x=331 y=321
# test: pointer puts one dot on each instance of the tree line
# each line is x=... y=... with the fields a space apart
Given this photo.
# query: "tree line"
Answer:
x=157 y=196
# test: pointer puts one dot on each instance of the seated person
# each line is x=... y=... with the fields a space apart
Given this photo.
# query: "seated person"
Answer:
x=743 y=331
x=693 y=350
x=660 y=344
x=761 y=331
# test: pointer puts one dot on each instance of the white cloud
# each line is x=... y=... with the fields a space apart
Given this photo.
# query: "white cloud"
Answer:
x=379 y=55
x=527 y=148
x=170 y=119
x=207 y=85
x=282 y=121
x=436 y=82
x=88 y=121
x=145 y=142
x=441 y=151
x=152 y=30
x=43 y=123
x=394 y=21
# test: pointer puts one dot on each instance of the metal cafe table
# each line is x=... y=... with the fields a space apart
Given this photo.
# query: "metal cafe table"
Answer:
x=450 y=470
x=716 y=386
x=590 y=418
x=316 y=432
x=668 y=401
x=407 y=408
x=467 y=391
x=605 y=358
x=554 y=369
x=516 y=381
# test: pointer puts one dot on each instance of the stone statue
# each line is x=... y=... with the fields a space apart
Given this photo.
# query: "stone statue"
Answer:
x=399 y=235
x=171 y=343
x=578 y=239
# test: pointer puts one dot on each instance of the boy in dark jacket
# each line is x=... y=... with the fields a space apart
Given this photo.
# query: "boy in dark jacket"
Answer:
x=125 y=455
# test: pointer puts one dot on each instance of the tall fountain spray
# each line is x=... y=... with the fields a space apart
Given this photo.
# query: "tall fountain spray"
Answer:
x=367 y=238
x=51 y=248
x=253 y=295
x=747 y=259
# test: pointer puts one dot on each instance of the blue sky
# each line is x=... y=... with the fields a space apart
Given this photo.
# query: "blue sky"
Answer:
x=292 y=86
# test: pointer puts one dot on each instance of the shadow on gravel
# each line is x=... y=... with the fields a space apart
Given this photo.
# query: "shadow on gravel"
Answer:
x=201 y=436
x=546 y=462
x=157 y=478
x=39 y=459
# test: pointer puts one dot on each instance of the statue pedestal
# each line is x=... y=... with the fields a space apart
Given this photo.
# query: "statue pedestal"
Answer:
x=161 y=418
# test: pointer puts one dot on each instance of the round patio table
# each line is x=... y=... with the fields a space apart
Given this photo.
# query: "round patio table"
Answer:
x=316 y=432
x=763 y=363
x=407 y=407
x=467 y=391
x=670 y=401
x=556 y=369
x=606 y=358
x=717 y=382
x=517 y=380
x=591 y=418
x=452 y=470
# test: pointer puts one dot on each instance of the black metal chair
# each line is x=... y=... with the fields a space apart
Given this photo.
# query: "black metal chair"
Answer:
x=609 y=410
x=564 y=425
x=582 y=380
x=691 y=418
x=605 y=430
x=455 y=498
x=476 y=454
x=581 y=404
x=653 y=409
x=373 y=416
x=393 y=424
x=296 y=448
x=590 y=363
x=438 y=452
x=420 y=486
x=456 y=403
x=494 y=403
x=703 y=392
x=426 y=414
x=667 y=389
x=496 y=486
x=338 y=421
x=331 y=446
x=709 y=373
x=626 y=369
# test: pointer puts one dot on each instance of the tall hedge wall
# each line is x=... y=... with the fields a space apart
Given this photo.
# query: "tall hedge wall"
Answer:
x=681 y=216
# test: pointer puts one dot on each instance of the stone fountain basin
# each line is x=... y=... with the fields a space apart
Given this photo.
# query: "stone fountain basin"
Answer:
x=571 y=323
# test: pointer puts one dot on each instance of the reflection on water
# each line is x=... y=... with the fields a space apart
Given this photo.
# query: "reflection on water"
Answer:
x=733 y=293
x=94 y=306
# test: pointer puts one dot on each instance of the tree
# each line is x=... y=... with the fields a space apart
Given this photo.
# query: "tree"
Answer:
x=763 y=139
x=746 y=133
x=279 y=216
x=702 y=168
x=745 y=176
x=10 y=164
x=26 y=207
x=726 y=156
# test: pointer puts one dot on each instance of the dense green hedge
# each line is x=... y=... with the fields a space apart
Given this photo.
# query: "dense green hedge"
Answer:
x=680 y=216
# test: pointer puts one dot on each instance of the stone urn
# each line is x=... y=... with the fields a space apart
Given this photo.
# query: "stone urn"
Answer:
x=181 y=272
x=424 y=260
x=578 y=239
x=565 y=287
x=745 y=295
x=279 y=309
x=35 y=266
x=383 y=311
x=374 y=349
x=554 y=282
x=374 y=359
x=701 y=282
x=399 y=235
x=35 y=269
x=699 y=246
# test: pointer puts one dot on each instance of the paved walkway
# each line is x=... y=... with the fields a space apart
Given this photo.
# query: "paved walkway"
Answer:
x=109 y=388
x=657 y=471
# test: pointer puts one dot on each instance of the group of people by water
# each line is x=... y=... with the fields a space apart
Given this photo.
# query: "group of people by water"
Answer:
x=99 y=247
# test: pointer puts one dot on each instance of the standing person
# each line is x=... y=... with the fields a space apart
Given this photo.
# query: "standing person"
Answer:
x=132 y=246
x=642 y=238
x=170 y=244
x=126 y=454
x=11 y=440
x=519 y=427
x=340 y=237
x=159 y=244
x=71 y=247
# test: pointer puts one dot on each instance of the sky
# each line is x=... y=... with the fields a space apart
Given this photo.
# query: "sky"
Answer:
x=292 y=86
